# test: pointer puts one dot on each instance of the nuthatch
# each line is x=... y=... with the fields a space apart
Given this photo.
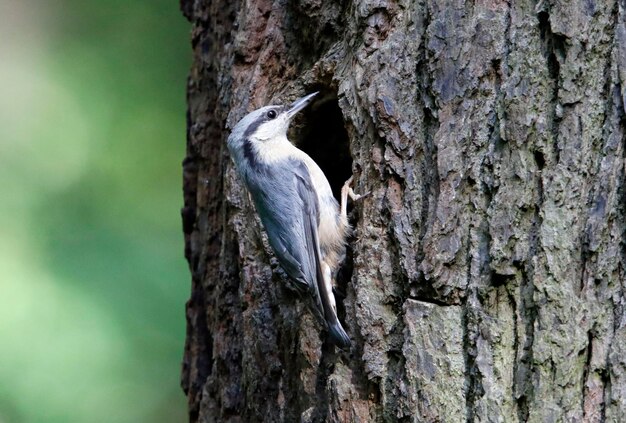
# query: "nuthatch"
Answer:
x=305 y=225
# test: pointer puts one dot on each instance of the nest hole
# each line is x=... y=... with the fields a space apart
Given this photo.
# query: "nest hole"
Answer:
x=323 y=136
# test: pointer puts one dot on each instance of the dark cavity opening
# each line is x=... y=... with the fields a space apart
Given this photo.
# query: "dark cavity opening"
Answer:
x=322 y=136
x=539 y=159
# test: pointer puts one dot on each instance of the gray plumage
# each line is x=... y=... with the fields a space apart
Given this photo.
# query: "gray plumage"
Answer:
x=305 y=225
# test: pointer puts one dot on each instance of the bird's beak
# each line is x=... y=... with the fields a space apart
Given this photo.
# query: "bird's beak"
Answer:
x=300 y=104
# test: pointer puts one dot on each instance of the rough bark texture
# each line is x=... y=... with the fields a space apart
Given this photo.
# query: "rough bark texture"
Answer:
x=486 y=276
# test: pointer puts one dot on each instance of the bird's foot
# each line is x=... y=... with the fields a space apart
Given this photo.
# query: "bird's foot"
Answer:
x=347 y=191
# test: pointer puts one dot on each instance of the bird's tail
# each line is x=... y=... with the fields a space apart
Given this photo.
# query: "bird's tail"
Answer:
x=324 y=298
x=338 y=335
x=325 y=289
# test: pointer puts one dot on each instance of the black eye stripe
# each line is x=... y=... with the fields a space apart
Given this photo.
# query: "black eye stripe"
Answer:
x=261 y=119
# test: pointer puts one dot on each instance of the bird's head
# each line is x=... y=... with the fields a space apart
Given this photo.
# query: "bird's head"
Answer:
x=266 y=123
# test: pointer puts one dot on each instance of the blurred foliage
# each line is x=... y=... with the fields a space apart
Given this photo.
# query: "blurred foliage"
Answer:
x=92 y=276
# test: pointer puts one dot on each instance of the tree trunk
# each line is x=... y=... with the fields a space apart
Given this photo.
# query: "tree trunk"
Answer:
x=485 y=276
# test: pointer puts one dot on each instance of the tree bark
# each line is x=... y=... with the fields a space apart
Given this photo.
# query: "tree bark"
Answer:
x=485 y=276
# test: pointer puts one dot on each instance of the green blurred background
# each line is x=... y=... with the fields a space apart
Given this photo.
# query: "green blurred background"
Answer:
x=92 y=276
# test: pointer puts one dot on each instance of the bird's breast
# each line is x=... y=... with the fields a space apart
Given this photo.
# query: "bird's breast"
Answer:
x=330 y=224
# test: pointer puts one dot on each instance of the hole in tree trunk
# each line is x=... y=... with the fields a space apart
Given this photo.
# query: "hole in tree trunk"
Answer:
x=322 y=135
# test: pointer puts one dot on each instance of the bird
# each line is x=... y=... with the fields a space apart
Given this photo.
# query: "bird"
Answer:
x=306 y=226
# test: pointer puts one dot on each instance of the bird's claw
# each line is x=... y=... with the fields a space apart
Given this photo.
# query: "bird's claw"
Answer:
x=347 y=190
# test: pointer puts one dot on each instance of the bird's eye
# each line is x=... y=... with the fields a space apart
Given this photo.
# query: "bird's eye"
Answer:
x=271 y=114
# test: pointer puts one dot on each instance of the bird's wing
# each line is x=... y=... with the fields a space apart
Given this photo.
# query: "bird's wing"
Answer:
x=323 y=293
x=288 y=208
